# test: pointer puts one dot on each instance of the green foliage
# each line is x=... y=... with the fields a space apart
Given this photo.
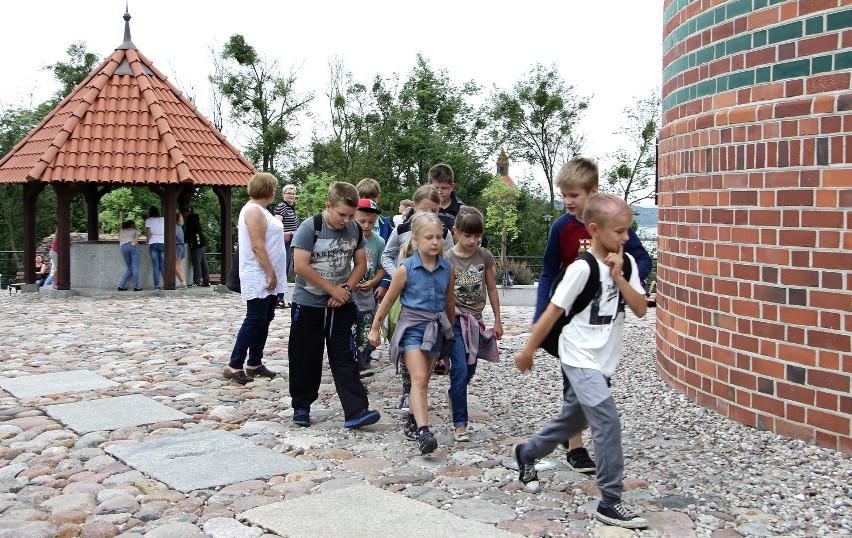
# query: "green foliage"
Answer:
x=501 y=214
x=70 y=74
x=634 y=168
x=313 y=194
x=262 y=100
x=531 y=205
x=116 y=207
x=537 y=121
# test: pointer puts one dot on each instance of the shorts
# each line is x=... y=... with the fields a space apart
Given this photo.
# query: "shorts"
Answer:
x=413 y=338
x=180 y=251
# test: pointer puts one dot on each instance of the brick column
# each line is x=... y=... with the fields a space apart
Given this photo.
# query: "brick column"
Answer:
x=755 y=189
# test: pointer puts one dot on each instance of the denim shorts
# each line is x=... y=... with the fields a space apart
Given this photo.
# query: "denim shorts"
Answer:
x=413 y=337
x=180 y=251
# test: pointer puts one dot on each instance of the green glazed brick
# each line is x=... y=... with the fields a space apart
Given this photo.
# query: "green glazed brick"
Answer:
x=814 y=25
x=738 y=44
x=763 y=74
x=842 y=60
x=759 y=38
x=705 y=20
x=773 y=2
x=720 y=49
x=739 y=7
x=821 y=64
x=705 y=55
x=785 y=32
x=719 y=14
x=837 y=21
x=721 y=84
x=705 y=88
x=759 y=4
x=740 y=79
x=691 y=27
x=796 y=68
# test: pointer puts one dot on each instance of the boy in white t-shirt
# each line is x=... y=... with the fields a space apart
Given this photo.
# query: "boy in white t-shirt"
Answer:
x=589 y=352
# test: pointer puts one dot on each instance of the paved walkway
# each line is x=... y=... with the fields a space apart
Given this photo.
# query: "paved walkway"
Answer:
x=115 y=420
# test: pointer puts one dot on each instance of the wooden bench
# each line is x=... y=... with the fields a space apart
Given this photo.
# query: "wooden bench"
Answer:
x=17 y=282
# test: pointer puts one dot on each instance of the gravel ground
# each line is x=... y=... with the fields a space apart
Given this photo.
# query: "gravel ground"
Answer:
x=689 y=470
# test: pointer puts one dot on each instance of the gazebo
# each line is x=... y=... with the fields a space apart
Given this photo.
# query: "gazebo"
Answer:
x=124 y=125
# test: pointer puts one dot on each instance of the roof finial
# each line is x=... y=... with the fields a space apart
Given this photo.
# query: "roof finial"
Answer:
x=128 y=44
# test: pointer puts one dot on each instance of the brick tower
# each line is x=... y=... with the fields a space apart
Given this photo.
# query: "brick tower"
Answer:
x=755 y=189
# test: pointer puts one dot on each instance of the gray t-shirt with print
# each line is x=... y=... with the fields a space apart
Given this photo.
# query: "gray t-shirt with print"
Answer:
x=331 y=257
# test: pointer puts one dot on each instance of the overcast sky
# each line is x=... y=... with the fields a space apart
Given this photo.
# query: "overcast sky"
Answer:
x=610 y=50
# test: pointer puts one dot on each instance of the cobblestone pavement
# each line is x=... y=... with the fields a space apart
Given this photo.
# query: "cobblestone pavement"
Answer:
x=688 y=470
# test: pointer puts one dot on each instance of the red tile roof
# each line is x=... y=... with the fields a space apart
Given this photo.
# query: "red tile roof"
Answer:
x=126 y=123
x=509 y=181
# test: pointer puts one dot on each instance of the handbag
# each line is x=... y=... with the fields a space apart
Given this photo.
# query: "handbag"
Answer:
x=233 y=282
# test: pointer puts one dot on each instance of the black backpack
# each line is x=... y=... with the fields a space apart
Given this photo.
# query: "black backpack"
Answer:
x=590 y=290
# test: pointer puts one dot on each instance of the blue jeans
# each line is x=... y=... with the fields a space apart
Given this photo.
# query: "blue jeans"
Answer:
x=131 y=259
x=252 y=336
x=460 y=375
x=158 y=260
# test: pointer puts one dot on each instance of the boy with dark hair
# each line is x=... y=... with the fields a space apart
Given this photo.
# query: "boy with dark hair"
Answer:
x=589 y=352
x=577 y=180
x=441 y=177
x=329 y=259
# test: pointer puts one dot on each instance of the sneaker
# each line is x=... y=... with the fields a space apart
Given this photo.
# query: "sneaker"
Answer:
x=409 y=428
x=580 y=461
x=526 y=472
x=620 y=516
x=427 y=442
x=365 y=417
x=403 y=403
x=302 y=417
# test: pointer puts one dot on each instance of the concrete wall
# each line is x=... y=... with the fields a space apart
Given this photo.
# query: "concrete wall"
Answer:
x=99 y=264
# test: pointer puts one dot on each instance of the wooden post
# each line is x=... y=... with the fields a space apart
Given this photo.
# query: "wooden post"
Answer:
x=62 y=275
x=225 y=235
x=31 y=192
x=169 y=205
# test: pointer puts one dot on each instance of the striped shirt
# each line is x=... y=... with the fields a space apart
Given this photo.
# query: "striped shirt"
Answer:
x=288 y=215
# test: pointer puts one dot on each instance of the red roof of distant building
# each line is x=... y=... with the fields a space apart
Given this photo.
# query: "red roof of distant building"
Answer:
x=126 y=123
x=508 y=181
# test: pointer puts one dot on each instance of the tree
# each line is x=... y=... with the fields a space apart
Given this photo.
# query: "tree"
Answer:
x=70 y=74
x=537 y=121
x=630 y=177
x=262 y=100
x=501 y=213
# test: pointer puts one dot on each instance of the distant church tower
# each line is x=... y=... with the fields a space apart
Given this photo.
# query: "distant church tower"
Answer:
x=502 y=164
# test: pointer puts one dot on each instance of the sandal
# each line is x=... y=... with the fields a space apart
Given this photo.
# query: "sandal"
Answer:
x=461 y=435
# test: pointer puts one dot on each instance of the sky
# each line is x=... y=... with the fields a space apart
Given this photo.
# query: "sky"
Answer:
x=609 y=50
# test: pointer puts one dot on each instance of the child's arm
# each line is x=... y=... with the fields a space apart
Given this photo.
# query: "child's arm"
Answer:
x=390 y=253
x=397 y=284
x=550 y=263
x=494 y=299
x=540 y=330
x=359 y=268
x=635 y=300
x=370 y=284
x=450 y=305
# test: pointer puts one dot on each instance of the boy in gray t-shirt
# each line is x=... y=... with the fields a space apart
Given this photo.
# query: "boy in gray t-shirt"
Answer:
x=329 y=263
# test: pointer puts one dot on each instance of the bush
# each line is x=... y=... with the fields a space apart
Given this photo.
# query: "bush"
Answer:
x=522 y=273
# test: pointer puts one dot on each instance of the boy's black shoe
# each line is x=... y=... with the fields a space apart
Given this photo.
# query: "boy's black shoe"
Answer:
x=427 y=442
x=526 y=472
x=365 y=417
x=239 y=376
x=580 y=461
x=302 y=417
x=620 y=516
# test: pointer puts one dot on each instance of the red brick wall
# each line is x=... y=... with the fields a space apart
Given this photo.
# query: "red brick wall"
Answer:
x=755 y=189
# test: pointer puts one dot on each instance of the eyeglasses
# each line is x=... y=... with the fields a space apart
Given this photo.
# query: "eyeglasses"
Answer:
x=290 y=192
x=442 y=189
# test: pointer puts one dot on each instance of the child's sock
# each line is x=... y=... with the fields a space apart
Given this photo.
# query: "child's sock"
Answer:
x=422 y=430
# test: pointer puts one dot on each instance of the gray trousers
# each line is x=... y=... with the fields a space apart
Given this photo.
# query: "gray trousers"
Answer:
x=587 y=399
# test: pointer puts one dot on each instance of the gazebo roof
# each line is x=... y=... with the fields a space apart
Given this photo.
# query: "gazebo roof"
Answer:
x=126 y=123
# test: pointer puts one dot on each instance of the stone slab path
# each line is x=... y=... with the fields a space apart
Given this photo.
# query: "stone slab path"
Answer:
x=203 y=460
x=372 y=511
x=54 y=383
x=112 y=413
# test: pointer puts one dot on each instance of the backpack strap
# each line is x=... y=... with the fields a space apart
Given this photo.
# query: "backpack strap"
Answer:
x=590 y=289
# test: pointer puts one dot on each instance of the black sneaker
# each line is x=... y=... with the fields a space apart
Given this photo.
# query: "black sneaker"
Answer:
x=365 y=417
x=427 y=442
x=526 y=472
x=580 y=461
x=409 y=428
x=620 y=516
x=403 y=403
x=302 y=417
